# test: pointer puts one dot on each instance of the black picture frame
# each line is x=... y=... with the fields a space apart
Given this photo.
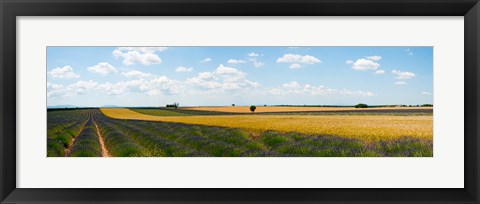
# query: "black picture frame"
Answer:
x=10 y=9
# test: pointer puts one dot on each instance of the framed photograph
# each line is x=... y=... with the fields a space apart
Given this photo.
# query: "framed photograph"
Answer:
x=228 y=102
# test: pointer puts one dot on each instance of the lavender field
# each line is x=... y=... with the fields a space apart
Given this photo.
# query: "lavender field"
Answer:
x=89 y=133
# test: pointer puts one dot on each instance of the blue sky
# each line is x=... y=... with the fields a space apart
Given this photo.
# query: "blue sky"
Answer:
x=191 y=76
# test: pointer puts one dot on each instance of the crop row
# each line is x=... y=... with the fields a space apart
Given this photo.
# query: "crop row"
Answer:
x=86 y=144
x=62 y=128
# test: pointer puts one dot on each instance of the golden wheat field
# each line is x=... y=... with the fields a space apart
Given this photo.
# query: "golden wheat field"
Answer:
x=277 y=109
x=368 y=128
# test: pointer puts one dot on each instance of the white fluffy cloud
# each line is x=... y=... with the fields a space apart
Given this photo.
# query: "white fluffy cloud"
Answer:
x=162 y=86
x=426 y=93
x=81 y=87
x=295 y=66
x=158 y=86
x=400 y=83
x=137 y=74
x=118 y=88
x=295 y=58
x=102 y=68
x=54 y=90
x=292 y=85
x=380 y=71
x=142 y=55
x=235 y=61
x=77 y=88
x=206 y=60
x=253 y=54
x=222 y=79
x=364 y=64
x=65 y=72
x=229 y=73
x=403 y=75
x=184 y=69
x=205 y=80
x=307 y=89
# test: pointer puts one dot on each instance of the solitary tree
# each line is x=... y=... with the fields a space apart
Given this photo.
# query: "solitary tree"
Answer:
x=252 y=108
x=233 y=104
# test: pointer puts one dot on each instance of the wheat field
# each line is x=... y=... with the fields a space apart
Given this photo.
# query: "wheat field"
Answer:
x=369 y=128
x=278 y=109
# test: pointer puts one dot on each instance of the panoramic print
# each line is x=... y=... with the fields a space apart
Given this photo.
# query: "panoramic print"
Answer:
x=247 y=101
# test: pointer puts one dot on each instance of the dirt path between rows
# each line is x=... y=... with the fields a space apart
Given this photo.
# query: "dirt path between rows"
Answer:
x=69 y=149
x=105 y=152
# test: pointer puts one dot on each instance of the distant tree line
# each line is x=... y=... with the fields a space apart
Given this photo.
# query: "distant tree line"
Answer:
x=174 y=105
x=360 y=105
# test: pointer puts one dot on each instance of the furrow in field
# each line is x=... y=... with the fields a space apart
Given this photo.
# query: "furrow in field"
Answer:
x=69 y=149
x=87 y=143
x=105 y=152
